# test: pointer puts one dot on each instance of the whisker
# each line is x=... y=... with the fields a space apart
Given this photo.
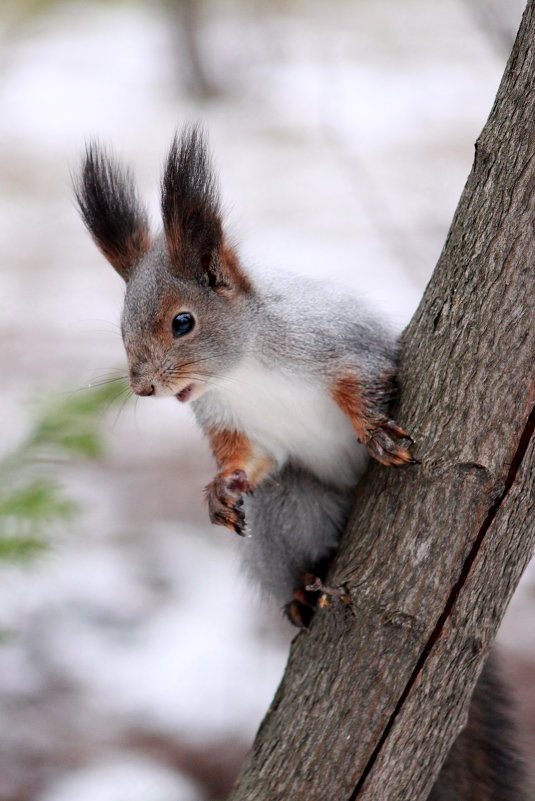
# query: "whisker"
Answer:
x=105 y=381
x=204 y=379
x=111 y=401
x=69 y=392
x=213 y=355
x=128 y=394
x=135 y=413
x=109 y=371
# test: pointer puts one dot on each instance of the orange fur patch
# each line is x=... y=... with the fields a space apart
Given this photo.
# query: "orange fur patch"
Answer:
x=233 y=450
x=230 y=266
x=365 y=405
x=347 y=392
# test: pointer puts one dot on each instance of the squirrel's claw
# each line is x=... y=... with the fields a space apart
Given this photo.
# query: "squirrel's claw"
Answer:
x=225 y=501
x=382 y=447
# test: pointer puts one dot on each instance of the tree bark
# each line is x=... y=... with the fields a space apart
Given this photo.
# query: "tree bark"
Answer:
x=377 y=691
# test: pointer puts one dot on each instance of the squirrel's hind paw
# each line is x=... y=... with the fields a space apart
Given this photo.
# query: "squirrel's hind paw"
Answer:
x=299 y=613
x=308 y=597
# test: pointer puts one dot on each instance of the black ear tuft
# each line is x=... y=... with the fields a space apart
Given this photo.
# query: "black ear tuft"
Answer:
x=111 y=210
x=190 y=208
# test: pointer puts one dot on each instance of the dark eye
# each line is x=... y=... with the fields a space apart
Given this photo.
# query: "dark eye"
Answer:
x=182 y=323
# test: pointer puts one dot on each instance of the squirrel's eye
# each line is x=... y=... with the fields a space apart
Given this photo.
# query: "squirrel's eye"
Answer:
x=182 y=323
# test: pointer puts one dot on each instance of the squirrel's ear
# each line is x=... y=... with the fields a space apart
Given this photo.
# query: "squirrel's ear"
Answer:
x=111 y=209
x=192 y=216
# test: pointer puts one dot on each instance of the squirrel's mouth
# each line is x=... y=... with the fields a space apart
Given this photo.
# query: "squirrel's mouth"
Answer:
x=184 y=395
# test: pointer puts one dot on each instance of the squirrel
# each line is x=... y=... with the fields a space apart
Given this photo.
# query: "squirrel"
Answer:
x=289 y=379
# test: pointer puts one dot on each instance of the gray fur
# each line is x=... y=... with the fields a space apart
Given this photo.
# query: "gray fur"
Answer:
x=318 y=327
x=297 y=522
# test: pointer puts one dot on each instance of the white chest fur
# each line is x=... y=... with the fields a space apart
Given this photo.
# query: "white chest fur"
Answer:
x=290 y=417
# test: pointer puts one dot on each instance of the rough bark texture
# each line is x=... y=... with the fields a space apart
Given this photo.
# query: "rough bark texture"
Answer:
x=375 y=694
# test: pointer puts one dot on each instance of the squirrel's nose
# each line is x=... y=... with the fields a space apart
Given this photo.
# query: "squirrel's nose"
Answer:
x=141 y=384
x=146 y=390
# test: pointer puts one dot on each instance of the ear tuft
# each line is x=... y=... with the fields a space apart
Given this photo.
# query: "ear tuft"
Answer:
x=190 y=207
x=111 y=209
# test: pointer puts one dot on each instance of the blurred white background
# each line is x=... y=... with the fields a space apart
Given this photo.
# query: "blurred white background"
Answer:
x=136 y=663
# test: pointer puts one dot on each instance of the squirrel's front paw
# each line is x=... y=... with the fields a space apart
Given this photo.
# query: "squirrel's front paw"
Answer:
x=225 y=500
x=382 y=447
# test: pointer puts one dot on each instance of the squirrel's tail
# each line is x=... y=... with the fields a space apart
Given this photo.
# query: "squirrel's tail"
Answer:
x=483 y=763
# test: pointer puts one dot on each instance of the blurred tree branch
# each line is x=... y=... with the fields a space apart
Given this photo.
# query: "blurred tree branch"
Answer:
x=186 y=22
x=376 y=693
x=498 y=19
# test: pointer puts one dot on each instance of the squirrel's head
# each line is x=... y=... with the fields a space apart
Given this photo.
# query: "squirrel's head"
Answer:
x=183 y=321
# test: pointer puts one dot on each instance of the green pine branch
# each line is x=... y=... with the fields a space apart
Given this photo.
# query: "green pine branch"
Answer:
x=32 y=503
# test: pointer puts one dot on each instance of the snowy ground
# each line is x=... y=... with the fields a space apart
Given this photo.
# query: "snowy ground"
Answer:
x=139 y=663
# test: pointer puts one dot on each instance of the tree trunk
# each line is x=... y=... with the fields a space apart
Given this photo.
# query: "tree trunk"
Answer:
x=375 y=694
